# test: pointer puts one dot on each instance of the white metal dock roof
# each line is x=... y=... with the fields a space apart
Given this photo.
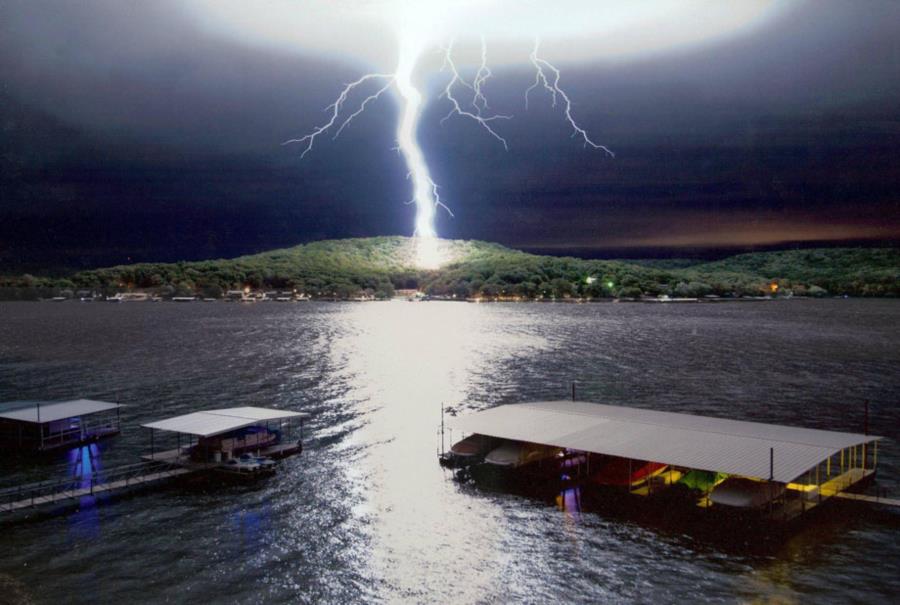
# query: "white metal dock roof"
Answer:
x=698 y=442
x=215 y=422
x=50 y=411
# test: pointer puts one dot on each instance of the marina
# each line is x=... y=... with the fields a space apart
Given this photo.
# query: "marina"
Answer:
x=777 y=472
x=367 y=480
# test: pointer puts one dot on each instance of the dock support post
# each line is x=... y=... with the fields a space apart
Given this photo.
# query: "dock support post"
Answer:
x=771 y=463
x=573 y=391
x=818 y=485
x=865 y=432
x=40 y=426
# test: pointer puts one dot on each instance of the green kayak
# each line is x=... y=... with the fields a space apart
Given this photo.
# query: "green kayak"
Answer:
x=702 y=480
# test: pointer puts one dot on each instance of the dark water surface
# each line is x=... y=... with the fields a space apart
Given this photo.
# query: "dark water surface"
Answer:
x=366 y=513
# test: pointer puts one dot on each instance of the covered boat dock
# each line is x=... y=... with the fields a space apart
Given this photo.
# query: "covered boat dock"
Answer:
x=214 y=438
x=48 y=425
x=799 y=467
x=222 y=434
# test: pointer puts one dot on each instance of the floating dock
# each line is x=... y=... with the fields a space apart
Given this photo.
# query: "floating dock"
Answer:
x=782 y=469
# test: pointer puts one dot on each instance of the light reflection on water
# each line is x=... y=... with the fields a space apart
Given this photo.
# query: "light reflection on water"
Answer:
x=405 y=365
x=367 y=514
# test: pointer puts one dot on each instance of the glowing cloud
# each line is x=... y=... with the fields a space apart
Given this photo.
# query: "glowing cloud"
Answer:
x=400 y=32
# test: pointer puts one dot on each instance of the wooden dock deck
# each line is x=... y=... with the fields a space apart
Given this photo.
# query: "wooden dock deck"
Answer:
x=869 y=499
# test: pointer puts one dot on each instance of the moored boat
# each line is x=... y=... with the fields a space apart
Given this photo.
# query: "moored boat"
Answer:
x=740 y=492
x=515 y=454
x=470 y=450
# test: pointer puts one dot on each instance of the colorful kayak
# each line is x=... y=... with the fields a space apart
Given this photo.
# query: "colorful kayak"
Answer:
x=702 y=481
x=624 y=472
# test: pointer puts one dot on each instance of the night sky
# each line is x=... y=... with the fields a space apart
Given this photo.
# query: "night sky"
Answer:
x=130 y=133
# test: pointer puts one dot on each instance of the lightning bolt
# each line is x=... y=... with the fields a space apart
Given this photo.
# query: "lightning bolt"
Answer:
x=335 y=109
x=552 y=86
x=479 y=102
x=425 y=191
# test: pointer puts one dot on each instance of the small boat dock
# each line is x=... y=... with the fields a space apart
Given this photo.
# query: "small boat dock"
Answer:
x=777 y=472
x=217 y=438
x=41 y=426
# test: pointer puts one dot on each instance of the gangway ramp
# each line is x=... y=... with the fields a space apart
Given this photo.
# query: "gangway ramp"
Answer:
x=32 y=495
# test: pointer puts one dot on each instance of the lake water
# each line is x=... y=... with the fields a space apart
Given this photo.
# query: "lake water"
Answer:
x=367 y=514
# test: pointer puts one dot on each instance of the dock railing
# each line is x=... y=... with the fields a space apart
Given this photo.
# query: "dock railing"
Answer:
x=121 y=477
x=76 y=435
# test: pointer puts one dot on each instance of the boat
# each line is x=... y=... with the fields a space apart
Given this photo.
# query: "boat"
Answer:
x=740 y=492
x=627 y=473
x=240 y=441
x=265 y=462
x=247 y=467
x=470 y=450
x=516 y=454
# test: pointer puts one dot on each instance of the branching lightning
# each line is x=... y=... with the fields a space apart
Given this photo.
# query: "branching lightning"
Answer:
x=551 y=85
x=425 y=190
x=335 y=109
x=479 y=102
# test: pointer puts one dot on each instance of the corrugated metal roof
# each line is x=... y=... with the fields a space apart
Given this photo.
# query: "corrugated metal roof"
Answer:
x=698 y=442
x=216 y=422
x=50 y=411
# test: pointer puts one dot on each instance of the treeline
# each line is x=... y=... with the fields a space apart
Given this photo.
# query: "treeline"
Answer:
x=379 y=266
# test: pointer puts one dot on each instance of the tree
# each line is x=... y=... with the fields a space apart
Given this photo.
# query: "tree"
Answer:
x=212 y=291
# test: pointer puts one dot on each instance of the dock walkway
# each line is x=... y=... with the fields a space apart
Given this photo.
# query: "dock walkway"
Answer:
x=42 y=493
x=869 y=499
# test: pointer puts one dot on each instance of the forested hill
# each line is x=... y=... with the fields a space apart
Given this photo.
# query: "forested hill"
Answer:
x=351 y=267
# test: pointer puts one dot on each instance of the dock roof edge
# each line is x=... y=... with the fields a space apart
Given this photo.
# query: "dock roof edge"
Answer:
x=692 y=441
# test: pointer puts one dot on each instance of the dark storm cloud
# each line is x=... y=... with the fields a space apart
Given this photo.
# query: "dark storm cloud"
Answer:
x=127 y=132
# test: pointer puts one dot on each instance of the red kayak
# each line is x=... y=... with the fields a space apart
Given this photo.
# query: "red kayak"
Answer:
x=624 y=472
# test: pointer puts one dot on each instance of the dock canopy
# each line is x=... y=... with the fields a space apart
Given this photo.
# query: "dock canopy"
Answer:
x=215 y=422
x=40 y=412
x=696 y=442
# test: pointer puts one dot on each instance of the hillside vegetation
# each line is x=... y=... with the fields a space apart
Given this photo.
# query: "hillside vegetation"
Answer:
x=380 y=265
